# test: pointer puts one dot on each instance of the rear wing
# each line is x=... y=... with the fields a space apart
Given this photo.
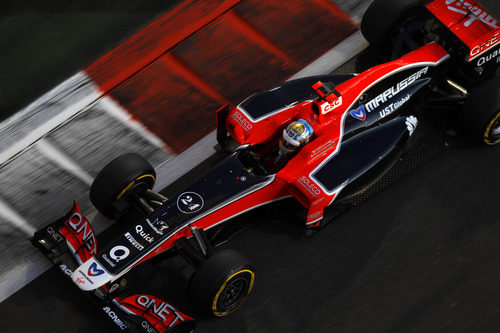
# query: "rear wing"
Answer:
x=486 y=45
x=470 y=22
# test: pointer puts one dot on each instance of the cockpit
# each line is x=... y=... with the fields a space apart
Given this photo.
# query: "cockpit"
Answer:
x=278 y=123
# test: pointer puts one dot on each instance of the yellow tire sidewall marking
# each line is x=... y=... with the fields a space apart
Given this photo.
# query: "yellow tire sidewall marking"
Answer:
x=216 y=298
x=487 y=132
x=133 y=183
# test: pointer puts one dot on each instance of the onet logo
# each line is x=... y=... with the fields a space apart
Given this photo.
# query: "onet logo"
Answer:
x=94 y=271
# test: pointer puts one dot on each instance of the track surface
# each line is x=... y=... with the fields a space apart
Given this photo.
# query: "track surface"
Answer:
x=45 y=42
x=422 y=255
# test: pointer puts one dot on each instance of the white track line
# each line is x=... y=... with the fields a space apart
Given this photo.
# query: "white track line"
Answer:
x=45 y=114
x=65 y=162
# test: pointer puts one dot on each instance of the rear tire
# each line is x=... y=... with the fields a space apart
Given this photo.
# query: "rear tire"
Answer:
x=222 y=283
x=480 y=116
x=383 y=18
x=118 y=180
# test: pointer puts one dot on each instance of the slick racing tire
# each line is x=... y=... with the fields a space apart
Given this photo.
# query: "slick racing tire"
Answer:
x=119 y=179
x=480 y=116
x=383 y=17
x=222 y=283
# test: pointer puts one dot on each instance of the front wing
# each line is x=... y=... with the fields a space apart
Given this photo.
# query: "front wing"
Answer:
x=71 y=240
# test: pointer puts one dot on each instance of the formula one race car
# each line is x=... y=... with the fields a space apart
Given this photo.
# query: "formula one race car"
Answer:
x=316 y=139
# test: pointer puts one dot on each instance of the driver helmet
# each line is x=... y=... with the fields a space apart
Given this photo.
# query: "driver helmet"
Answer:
x=295 y=136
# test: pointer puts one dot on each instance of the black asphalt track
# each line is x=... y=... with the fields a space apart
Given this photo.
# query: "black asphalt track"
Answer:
x=421 y=256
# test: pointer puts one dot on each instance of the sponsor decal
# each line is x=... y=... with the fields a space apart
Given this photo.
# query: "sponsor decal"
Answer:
x=114 y=317
x=411 y=123
x=359 y=113
x=488 y=58
x=85 y=277
x=158 y=225
x=94 y=271
x=314 y=216
x=309 y=186
x=480 y=14
x=65 y=269
x=55 y=234
x=80 y=225
x=323 y=148
x=485 y=46
x=119 y=252
x=148 y=327
x=105 y=257
x=394 y=106
x=236 y=115
x=160 y=309
x=189 y=202
x=328 y=107
x=114 y=288
x=317 y=201
x=80 y=281
x=393 y=91
x=139 y=229
x=133 y=241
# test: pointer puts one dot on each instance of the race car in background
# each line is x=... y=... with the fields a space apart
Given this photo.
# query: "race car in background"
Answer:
x=317 y=140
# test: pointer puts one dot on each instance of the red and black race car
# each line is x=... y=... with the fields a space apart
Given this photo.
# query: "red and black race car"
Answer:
x=315 y=139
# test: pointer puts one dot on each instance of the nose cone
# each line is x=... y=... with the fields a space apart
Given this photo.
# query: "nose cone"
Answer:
x=90 y=275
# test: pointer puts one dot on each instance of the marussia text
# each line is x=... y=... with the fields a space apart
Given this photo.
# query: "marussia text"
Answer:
x=393 y=91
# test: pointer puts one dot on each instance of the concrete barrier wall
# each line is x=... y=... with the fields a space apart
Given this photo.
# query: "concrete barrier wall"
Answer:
x=155 y=94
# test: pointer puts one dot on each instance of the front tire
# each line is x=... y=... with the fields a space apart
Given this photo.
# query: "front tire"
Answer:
x=118 y=180
x=222 y=283
x=480 y=115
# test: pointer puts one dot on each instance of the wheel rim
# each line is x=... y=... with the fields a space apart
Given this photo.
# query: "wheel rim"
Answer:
x=233 y=293
x=492 y=133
